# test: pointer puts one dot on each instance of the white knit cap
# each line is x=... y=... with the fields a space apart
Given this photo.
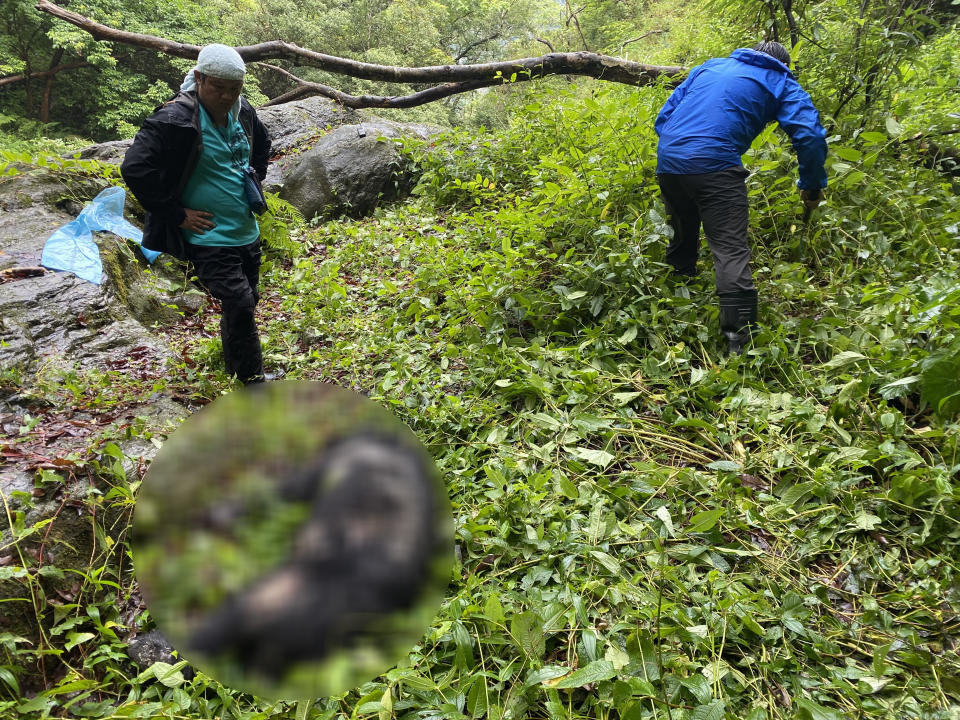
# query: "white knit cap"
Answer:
x=221 y=61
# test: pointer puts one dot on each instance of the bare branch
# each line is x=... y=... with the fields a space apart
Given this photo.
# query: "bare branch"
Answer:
x=471 y=46
x=640 y=37
x=378 y=101
x=573 y=16
x=545 y=42
x=11 y=79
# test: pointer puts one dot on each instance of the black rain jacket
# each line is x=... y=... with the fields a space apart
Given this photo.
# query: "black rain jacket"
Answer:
x=164 y=155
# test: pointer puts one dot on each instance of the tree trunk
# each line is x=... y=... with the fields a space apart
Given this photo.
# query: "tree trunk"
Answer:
x=48 y=87
x=791 y=22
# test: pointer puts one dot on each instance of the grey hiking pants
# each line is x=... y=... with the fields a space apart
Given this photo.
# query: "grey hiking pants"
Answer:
x=718 y=200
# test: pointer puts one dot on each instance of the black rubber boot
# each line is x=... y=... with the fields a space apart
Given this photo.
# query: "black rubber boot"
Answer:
x=738 y=318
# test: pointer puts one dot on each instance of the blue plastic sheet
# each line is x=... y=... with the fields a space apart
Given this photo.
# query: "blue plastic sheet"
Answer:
x=71 y=247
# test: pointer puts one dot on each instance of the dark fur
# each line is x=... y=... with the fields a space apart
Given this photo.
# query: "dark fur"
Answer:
x=365 y=552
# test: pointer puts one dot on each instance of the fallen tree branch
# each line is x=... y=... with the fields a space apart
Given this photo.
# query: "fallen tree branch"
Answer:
x=11 y=79
x=377 y=101
x=453 y=78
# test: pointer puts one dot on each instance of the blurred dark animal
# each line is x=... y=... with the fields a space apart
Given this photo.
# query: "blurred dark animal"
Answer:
x=366 y=551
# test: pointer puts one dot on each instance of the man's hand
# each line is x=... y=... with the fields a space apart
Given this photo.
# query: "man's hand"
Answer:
x=812 y=198
x=197 y=221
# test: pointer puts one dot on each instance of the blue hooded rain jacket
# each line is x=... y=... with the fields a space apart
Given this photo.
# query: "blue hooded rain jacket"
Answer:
x=710 y=120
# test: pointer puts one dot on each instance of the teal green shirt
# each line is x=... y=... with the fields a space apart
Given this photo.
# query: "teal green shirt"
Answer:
x=216 y=185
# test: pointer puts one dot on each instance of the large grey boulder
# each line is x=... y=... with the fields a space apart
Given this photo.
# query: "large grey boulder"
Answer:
x=350 y=170
x=297 y=123
x=109 y=152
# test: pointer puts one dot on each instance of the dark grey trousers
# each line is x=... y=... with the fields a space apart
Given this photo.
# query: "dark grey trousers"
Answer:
x=718 y=200
x=231 y=274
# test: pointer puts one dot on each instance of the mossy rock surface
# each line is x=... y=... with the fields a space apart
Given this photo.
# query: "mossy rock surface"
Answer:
x=58 y=531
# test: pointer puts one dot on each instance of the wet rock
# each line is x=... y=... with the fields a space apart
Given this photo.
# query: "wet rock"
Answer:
x=54 y=326
x=295 y=124
x=350 y=170
x=110 y=152
x=152 y=647
x=46 y=190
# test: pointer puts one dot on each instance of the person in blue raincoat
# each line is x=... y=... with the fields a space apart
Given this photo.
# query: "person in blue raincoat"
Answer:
x=705 y=126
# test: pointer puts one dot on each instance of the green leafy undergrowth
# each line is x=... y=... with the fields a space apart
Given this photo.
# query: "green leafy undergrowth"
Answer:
x=648 y=529
x=645 y=524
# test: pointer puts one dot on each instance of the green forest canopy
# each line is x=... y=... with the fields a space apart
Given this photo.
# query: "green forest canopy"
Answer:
x=56 y=75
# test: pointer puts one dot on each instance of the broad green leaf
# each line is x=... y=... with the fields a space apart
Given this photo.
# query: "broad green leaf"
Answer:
x=418 y=682
x=69 y=687
x=809 y=710
x=865 y=521
x=386 y=704
x=594 y=672
x=528 y=634
x=546 y=673
x=477 y=698
x=725 y=465
x=898 y=388
x=169 y=675
x=594 y=457
x=11 y=681
x=844 y=358
x=752 y=625
x=616 y=657
x=492 y=609
x=590 y=423
x=699 y=687
x=608 y=561
x=664 y=514
x=794 y=625
x=796 y=493
x=869 y=684
x=895 y=129
x=303 y=709
x=75 y=638
x=915 y=658
x=880 y=659
x=40 y=704
x=548 y=422
x=567 y=488
x=628 y=335
x=711 y=711
x=704 y=521
x=846 y=153
x=940 y=384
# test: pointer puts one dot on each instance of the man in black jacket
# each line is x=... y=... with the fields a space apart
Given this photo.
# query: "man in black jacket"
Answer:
x=186 y=167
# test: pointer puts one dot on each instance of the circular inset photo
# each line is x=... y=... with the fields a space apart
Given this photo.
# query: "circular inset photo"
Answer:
x=293 y=540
